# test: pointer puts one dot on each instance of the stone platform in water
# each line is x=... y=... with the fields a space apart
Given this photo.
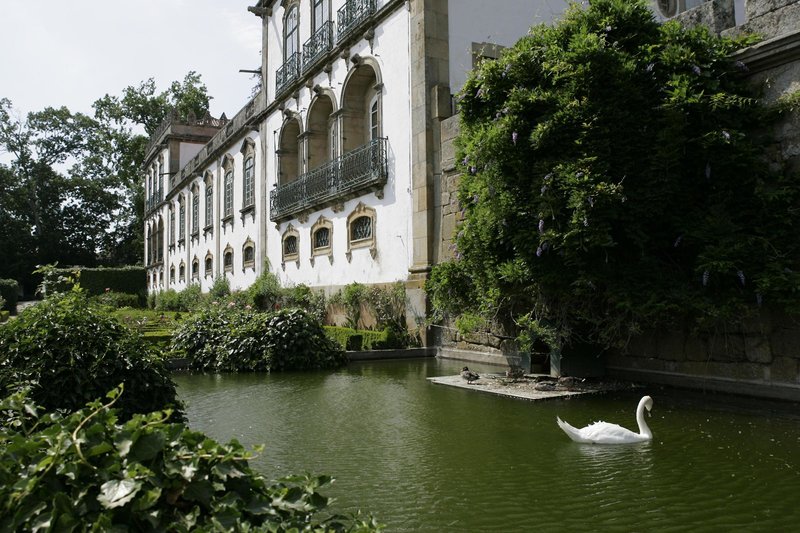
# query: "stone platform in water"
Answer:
x=531 y=386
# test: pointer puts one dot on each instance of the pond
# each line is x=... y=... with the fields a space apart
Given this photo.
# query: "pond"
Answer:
x=425 y=457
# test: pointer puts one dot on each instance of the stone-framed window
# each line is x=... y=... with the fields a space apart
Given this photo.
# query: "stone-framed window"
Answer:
x=320 y=14
x=172 y=273
x=249 y=254
x=209 y=265
x=171 y=226
x=181 y=219
x=227 y=193
x=182 y=271
x=361 y=230
x=195 y=268
x=248 y=173
x=291 y=31
x=290 y=245
x=195 y=210
x=227 y=259
x=322 y=239
x=161 y=277
x=374 y=119
x=209 y=215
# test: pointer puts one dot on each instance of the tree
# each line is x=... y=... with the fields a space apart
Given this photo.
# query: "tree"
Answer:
x=612 y=182
x=72 y=193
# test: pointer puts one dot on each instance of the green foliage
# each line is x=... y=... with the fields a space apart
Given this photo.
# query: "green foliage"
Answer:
x=220 y=288
x=72 y=190
x=266 y=292
x=68 y=351
x=4 y=315
x=90 y=472
x=9 y=292
x=370 y=339
x=352 y=296
x=189 y=299
x=116 y=300
x=611 y=183
x=230 y=338
x=98 y=281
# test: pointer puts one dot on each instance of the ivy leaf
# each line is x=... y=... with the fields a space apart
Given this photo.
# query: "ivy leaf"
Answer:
x=117 y=492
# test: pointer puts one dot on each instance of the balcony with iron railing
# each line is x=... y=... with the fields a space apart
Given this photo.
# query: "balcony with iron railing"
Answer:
x=352 y=14
x=318 y=45
x=289 y=72
x=360 y=169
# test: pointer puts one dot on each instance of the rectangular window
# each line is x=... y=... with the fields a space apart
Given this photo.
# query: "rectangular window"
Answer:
x=181 y=221
x=228 y=193
x=249 y=182
x=209 y=204
x=195 y=212
x=171 y=227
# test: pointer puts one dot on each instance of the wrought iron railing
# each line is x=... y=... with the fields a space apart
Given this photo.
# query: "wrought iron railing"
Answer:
x=288 y=73
x=352 y=14
x=318 y=45
x=364 y=167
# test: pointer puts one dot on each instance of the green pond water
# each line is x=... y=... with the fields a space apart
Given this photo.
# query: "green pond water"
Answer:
x=425 y=457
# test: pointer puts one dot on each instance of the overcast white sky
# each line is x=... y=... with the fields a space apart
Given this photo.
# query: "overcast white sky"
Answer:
x=72 y=52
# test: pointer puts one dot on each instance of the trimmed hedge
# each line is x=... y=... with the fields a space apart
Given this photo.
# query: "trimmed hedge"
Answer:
x=95 y=281
x=370 y=340
x=9 y=290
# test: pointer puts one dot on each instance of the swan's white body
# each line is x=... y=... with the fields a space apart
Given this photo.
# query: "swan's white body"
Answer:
x=605 y=433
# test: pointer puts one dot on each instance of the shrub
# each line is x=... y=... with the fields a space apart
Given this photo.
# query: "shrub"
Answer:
x=69 y=351
x=167 y=300
x=96 y=281
x=4 y=315
x=229 y=338
x=370 y=339
x=190 y=298
x=89 y=472
x=118 y=300
x=220 y=288
x=266 y=292
x=9 y=292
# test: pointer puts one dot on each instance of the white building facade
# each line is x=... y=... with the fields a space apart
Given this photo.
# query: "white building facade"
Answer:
x=330 y=174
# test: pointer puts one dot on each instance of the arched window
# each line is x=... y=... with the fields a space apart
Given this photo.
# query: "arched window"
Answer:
x=209 y=267
x=249 y=254
x=171 y=226
x=172 y=274
x=227 y=259
x=361 y=230
x=319 y=131
x=289 y=154
x=361 y=105
x=160 y=240
x=290 y=245
x=182 y=271
x=195 y=268
x=321 y=237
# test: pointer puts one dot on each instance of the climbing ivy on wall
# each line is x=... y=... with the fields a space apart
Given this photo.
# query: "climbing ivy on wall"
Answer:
x=613 y=180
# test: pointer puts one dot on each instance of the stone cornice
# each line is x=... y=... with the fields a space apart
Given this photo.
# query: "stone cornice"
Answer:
x=770 y=53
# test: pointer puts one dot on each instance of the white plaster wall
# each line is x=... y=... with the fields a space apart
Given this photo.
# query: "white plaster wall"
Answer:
x=503 y=23
x=393 y=212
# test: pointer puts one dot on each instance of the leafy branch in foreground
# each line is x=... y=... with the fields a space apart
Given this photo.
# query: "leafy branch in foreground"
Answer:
x=90 y=472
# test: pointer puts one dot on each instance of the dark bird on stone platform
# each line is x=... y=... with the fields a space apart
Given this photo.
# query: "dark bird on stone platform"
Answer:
x=469 y=375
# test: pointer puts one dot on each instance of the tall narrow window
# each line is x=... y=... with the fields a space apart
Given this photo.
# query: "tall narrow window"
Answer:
x=228 y=199
x=195 y=211
x=374 y=119
x=160 y=181
x=249 y=182
x=209 y=204
x=321 y=13
x=181 y=220
x=291 y=43
x=171 y=226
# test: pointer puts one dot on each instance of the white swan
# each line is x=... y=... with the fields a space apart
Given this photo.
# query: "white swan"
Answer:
x=605 y=433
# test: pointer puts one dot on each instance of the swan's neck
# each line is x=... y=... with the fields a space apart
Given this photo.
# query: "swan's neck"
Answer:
x=644 y=430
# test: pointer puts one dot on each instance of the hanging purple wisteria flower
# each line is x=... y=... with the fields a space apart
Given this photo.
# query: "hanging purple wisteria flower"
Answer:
x=541 y=225
x=705 y=278
x=539 y=251
x=741 y=66
x=708 y=170
x=726 y=135
x=741 y=277
x=696 y=70
x=678 y=241
x=759 y=299
x=514 y=137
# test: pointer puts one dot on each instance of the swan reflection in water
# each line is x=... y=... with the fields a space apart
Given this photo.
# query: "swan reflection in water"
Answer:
x=606 y=433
